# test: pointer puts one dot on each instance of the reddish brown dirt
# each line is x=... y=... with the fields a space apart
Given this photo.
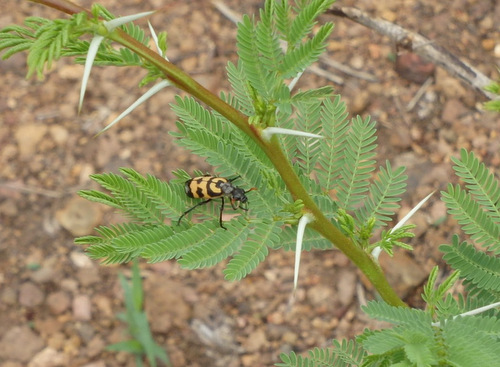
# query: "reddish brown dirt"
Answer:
x=57 y=308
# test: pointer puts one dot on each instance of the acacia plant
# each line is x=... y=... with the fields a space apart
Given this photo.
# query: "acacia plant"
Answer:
x=296 y=147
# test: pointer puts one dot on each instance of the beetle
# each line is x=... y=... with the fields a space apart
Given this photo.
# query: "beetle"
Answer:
x=212 y=187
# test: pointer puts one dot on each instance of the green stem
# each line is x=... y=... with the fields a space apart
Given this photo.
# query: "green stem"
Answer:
x=322 y=225
x=272 y=149
x=183 y=81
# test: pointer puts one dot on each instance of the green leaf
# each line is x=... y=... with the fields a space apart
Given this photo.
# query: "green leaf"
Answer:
x=420 y=350
x=358 y=163
x=267 y=40
x=475 y=266
x=335 y=128
x=312 y=95
x=467 y=346
x=100 y=197
x=434 y=295
x=475 y=221
x=298 y=59
x=179 y=243
x=51 y=38
x=208 y=135
x=302 y=25
x=283 y=17
x=253 y=251
x=256 y=72
x=129 y=346
x=168 y=199
x=217 y=248
x=347 y=353
x=398 y=315
x=132 y=200
x=238 y=81
x=480 y=182
x=308 y=149
x=384 y=193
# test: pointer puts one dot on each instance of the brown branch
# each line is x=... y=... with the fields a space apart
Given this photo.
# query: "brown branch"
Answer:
x=64 y=6
x=421 y=46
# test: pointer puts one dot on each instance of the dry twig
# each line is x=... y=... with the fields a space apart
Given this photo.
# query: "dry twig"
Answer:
x=348 y=70
x=421 y=46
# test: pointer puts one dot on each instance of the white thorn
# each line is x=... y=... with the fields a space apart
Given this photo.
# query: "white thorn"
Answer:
x=304 y=220
x=155 y=89
x=92 y=52
x=377 y=250
x=112 y=24
x=268 y=132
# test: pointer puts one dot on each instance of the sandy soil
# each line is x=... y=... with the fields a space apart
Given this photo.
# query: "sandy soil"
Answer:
x=58 y=308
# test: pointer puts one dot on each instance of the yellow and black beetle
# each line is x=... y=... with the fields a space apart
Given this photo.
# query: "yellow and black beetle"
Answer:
x=211 y=187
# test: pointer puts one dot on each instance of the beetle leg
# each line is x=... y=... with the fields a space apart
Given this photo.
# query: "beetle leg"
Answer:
x=194 y=207
x=234 y=205
x=220 y=216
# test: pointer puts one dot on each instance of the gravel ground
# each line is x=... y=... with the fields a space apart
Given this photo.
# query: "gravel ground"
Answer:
x=58 y=308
